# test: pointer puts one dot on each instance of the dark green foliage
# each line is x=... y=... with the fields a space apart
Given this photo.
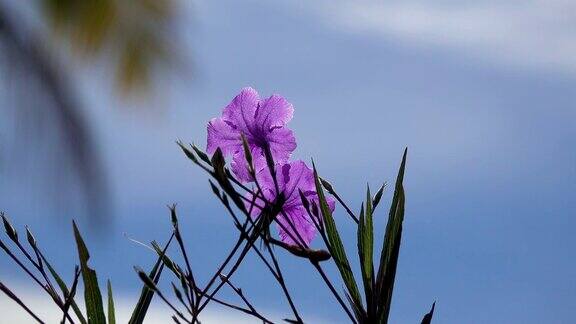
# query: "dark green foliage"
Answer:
x=373 y=306
x=111 y=311
x=139 y=312
x=428 y=317
x=391 y=248
x=336 y=247
x=65 y=290
x=377 y=291
x=92 y=295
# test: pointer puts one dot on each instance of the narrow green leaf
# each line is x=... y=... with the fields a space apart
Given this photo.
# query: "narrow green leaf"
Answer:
x=141 y=308
x=65 y=291
x=378 y=196
x=428 y=317
x=178 y=293
x=362 y=250
x=391 y=248
x=148 y=281
x=366 y=237
x=357 y=309
x=92 y=295
x=336 y=247
x=171 y=265
x=111 y=312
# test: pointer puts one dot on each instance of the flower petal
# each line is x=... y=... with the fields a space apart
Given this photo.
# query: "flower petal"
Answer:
x=282 y=143
x=222 y=135
x=240 y=167
x=301 y=222
x=274 y=111
x=298 y=177
x=242 y=110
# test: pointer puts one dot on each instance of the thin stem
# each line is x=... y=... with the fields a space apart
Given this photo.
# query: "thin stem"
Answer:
x=245 y=300
x=283 y=284
x=247 y=247
x=15 y=298
x=183 y=250
x=348 y=210
x=245 y=234
x=321 y=271
x=172 y=306
x=40 y=268
x=68 y=299
x=333 y=290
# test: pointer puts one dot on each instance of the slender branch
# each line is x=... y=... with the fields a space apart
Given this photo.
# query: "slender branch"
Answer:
x=283 y=284
x=333 y=193
x=15 y=298
x=245 y=300
x=70 y=297
x=333 y=290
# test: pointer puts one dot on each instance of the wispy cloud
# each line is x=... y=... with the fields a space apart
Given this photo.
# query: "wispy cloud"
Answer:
x=534 y=34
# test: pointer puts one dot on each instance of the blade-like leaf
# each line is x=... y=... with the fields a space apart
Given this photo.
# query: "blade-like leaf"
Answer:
x=366 y=248
x=141 y=308
x=428 y=317
x=92 y=295
x=111 y=312
x=336 y=247
x=65 y=290
x=391 y=248
x=378 y=196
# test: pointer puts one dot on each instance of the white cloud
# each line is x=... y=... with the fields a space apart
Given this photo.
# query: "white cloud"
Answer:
x=535 y=34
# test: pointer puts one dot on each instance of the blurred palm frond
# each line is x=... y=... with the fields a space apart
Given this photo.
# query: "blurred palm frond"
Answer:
x=132 y=37
x=134 y=31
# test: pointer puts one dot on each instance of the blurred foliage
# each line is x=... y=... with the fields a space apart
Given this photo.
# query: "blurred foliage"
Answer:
x=131 y=37
x=134 y=31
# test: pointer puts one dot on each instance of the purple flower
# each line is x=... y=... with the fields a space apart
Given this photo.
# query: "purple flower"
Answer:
x=292 y=177
x=263 y=124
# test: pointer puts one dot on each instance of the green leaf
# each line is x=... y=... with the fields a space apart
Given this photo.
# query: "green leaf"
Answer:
x=65 y=290
x=336 y=247
x=148 y=281
x=111 y=312
x=365 y=251
x=141 y=308
x=378 y=196
x=391 y=248
x=92 y=295
x=428 y=317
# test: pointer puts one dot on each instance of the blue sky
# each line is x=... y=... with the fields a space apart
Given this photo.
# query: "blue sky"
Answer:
x=481 y=92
